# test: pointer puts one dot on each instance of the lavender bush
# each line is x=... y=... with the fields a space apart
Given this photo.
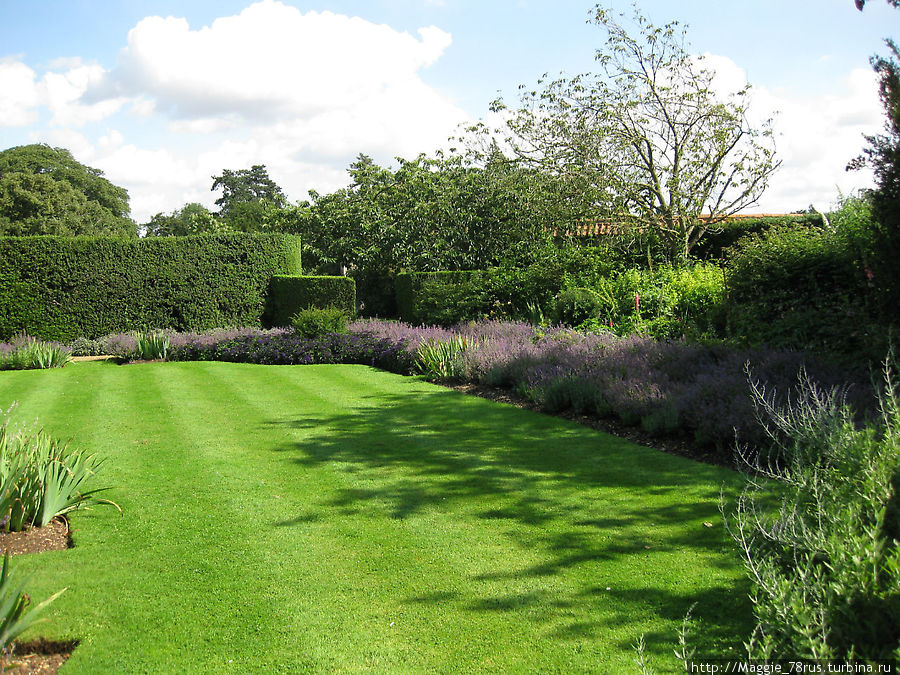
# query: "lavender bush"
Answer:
x=664 y=386
x=285 y=347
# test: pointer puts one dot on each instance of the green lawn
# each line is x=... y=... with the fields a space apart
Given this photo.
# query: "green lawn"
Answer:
x=344 y=519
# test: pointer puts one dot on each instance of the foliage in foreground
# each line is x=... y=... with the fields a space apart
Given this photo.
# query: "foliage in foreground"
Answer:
x=819 y=529
x=42 y=478
x=15 y=617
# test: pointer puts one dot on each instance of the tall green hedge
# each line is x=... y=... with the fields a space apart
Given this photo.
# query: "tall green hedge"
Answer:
x=289 y=294
x=61 y=288
x=804 y=289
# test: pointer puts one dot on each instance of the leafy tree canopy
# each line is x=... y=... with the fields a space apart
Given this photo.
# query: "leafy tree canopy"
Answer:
x=44 y=190
x=860 y=4
x=433 y=214
x=192 y=218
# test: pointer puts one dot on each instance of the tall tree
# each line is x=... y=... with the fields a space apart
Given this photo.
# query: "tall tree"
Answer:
x=883 y=156
x=44 y=190
x=648 y=134
x=246 y=193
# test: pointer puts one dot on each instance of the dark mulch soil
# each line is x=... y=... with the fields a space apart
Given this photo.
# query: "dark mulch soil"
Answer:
x=52 y=537
x=673 y=444
x=39 y=657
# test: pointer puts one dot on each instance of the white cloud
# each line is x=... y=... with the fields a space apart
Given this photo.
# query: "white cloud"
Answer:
x=815 y=136
x=62 y=93
x=269 y=61
x=202 y=126
x=298 y=92
x=20 y=98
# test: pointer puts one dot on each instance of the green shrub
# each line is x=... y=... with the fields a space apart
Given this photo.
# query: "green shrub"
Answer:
x=41 y=478
x=801 y=288
x=720 y=237
x=665 y=303
x=315 y=321
x=375 y=293
x=503 y=293
x=445 y=304
x=819 y=528
x=291 y=294
x=422 y=295
x=578 y=306
x=64 y=288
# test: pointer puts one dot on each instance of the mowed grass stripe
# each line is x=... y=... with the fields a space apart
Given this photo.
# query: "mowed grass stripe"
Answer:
x=353 y=571
x=342 y=519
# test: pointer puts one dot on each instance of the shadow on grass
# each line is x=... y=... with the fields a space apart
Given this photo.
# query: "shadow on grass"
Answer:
x=574 y=495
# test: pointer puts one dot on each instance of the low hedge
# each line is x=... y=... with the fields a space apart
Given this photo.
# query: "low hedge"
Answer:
x=445 y=298
x=718 y=238
x=411 y=302
x=61 y=288
x=288 y=294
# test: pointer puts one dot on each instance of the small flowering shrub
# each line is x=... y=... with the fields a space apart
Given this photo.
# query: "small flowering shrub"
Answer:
x=285 y=347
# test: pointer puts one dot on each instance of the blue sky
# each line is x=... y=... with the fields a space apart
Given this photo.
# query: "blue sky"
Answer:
x=162 y=104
